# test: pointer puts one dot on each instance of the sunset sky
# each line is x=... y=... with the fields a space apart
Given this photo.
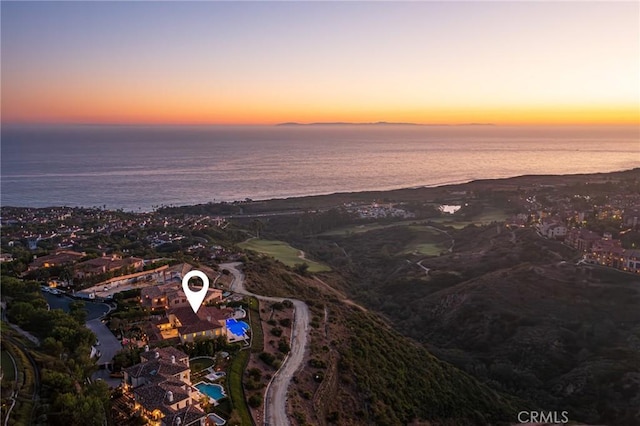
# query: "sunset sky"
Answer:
x=269 y=62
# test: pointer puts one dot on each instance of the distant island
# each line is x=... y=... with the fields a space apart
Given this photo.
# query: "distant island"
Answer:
x=378 y=123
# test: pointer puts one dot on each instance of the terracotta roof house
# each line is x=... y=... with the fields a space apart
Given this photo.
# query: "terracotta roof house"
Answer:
x=171 y=295
x=166 y=353
x=57 y=258
x=106 y=264
x=208 y=323
x=161 y=388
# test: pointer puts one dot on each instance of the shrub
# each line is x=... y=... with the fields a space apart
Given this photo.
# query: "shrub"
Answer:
x=256 y=373
x=301 y=269
x=255 y=401
x=283 y=346
x=267 y=358
x=285 y=322
x=316 y=363
x=253 y=385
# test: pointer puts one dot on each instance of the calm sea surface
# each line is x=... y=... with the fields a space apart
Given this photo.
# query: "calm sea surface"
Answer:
x=137 y=168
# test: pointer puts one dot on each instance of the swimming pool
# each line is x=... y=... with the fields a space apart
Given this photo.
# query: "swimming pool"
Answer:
x=237 y=328
x=216 y=419
x=212 y=391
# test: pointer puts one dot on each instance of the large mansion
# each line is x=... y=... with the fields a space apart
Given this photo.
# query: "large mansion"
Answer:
x=208 y=323
x=161 y=388
x=171 y=295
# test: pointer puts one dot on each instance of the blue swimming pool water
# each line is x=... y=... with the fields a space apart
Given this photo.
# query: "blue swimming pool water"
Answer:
x=212 y=391
x=216 y=419
x=238 y=328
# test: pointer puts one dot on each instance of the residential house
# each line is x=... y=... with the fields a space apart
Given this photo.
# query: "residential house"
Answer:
x=581 y=239
x=607 y=252
x=171 y=295
x=208 y=323
x=104 y=264
x=552 y=228
x=161 y=388
x=557 y=230
x=631 y=261
x=631 y=217
x=57 y=258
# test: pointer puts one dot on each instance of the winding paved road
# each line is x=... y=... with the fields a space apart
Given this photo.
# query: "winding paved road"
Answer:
x=275 y=406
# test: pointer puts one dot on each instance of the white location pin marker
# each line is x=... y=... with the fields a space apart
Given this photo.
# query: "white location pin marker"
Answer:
x=195 y=298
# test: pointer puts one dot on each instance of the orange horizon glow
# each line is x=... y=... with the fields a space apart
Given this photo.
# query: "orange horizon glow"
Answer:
x=221 y=63
x=511 y=117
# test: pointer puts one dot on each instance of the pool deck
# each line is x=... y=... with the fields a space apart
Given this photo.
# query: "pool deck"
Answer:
x=215 y=375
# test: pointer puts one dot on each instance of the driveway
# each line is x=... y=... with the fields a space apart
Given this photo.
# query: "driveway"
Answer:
x=275 y=405
x=109 y=345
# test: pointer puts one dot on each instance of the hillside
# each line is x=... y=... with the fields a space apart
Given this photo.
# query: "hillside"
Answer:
x=359 y=370
x=504 y=307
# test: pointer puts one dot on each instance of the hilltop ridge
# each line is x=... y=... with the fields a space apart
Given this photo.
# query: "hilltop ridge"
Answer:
x=377 y=123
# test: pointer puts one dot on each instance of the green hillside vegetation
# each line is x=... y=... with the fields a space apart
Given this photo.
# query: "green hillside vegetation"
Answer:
x=282 y=252
x=427 y=241
x=366 y=227
x=479 y=216
x=383 y=377
x=8 y=366
x=402 y=382
x=504 y=308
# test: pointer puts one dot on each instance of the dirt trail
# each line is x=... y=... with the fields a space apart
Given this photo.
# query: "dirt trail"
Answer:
x=275 y=405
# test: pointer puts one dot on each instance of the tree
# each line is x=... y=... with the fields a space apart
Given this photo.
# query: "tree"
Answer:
x=77 y=311
x=204 y=403
x=69 y=409
x=126 y=358
x=66 y=274
x=302 y=269
x=52 y=347
x=20 y=313
x=57 y=382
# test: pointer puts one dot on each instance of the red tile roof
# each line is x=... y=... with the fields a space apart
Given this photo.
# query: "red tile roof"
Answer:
x=207 y=318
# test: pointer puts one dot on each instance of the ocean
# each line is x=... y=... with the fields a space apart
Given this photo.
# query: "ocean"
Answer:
x=138 y=168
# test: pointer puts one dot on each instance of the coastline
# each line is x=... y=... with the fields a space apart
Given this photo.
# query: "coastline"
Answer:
x=407 y=192
x=308 y=202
